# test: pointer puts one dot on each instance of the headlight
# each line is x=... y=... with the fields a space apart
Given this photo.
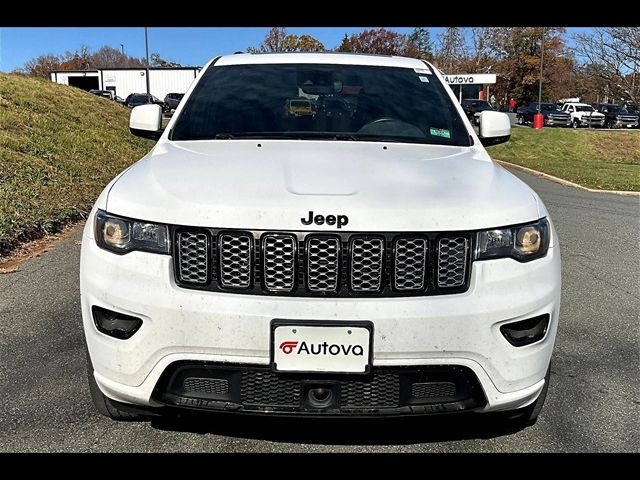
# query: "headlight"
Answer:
x=522 y=243
x=123 y=235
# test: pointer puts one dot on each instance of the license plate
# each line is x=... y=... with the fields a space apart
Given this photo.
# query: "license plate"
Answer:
x=335 y=347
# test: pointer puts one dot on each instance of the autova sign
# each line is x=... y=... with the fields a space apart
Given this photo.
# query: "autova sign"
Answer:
x=470 y=78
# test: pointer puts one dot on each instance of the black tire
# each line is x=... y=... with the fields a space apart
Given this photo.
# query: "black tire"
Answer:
x=528 y=416
x=575 y=123
x=609 y=124
x=111 y=408
x=520 y=119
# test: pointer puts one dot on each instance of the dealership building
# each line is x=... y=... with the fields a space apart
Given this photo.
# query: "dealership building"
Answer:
x=124 y=81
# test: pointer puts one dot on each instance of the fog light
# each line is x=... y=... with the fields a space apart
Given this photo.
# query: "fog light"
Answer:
x=114 y=324
x=526 y=331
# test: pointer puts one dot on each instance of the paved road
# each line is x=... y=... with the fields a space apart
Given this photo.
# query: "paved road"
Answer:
x=593 y=402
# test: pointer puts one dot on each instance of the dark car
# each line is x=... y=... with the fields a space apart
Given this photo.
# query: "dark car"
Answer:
x=472 y=108
x=173 y=100
x=617 y=116
x=551 y=114
x=137 y=99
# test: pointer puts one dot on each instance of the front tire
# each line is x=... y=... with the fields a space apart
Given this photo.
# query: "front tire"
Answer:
x=575 y=123
x=528 y=416
x=110 y=408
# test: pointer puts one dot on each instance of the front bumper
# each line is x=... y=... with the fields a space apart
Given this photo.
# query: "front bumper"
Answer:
x=179 y=325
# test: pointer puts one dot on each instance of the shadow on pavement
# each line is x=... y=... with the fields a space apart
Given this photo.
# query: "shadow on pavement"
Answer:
x=340 y=431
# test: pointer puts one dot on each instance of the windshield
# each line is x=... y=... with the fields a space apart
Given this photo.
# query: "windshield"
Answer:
x=313 y=101
x=544 y=106
x=584 y=108
x=616 y=109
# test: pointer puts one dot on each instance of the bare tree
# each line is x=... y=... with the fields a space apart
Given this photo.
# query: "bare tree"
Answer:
x=614 y=56
x=452 y=50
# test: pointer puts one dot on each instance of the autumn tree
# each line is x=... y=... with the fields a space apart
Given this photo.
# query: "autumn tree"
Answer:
x=278 y=40
x=517 y=53
x=379 y=41
x=613 y=57
x=452 y=50
x=158 y=61
x=420 y=40
x=80 y=59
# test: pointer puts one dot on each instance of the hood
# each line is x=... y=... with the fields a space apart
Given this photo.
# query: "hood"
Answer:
x=274 y=184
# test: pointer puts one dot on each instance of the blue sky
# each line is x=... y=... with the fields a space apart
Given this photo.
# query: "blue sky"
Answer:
x=188 y=46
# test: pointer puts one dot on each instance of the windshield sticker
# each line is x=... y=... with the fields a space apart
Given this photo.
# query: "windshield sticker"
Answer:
x=423 y=79
x=422 y=70
x=440 y=132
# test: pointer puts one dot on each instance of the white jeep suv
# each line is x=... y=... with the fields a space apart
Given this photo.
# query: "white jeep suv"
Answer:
x=369 y=259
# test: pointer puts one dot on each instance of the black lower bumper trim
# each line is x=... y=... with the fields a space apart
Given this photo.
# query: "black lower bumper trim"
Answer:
x=386 y=391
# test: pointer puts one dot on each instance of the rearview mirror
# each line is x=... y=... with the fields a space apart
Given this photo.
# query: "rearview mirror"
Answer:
x=495 y=128
x=146 y=121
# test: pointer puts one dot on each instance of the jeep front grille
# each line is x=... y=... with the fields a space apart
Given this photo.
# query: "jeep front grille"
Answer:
x=322 y=264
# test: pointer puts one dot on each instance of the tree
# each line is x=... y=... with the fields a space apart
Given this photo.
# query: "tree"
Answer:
x=81 y=59
x=158 y=61
x=612 y=55
x=452 y=51
x=516 y=59
x=273 y=41
x=379 y=41
x=420 y=40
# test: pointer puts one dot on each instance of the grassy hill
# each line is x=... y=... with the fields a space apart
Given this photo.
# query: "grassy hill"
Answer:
x=606 y=160
x=59 y=147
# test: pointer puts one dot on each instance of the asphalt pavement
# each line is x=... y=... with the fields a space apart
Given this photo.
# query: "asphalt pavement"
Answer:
x=593 y=404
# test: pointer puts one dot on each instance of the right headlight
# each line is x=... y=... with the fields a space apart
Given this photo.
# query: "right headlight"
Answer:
x=123 y=235
x=522 y=242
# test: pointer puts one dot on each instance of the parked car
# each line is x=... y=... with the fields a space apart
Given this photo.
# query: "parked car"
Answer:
x=371 y=259
x=120 y=100
x=472 y=107
x=137 y=99
x=173 y=100
x=617 y=116
x=551 y=114
x=583 y=115
x=108 y=94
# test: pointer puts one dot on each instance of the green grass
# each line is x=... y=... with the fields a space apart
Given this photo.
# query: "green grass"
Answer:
x=606 y=160
x=59 y=147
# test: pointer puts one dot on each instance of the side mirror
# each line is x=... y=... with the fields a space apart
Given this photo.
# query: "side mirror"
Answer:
x=146 y=121
x=495 y=128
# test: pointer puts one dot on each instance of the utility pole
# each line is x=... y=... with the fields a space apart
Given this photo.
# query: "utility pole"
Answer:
x=541 y=63
x=146 y=47
x=122 y=48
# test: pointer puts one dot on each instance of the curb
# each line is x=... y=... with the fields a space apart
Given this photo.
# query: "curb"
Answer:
x=567 y=183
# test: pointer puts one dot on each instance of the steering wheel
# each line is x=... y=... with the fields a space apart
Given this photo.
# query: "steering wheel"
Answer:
x=391 y=126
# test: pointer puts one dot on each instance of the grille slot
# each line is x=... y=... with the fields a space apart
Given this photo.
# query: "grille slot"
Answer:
x=410 y=263
x=193 y=265
x=433 y=390
x=212 y=386
x=323 y=259
x=266 y=388
x=367 y=256
x=382 y=391
x=234 y=251
x=279 y=262
x=452 y=261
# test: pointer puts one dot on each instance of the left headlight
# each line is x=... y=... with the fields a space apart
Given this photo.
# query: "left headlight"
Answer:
x=522 y=242
x=122 y=235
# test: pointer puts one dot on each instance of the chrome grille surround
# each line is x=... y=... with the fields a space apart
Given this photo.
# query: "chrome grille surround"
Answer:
x=410 y=258
x=279 y=254
x=452 y=261
x=323 y=263
x=235 y=259
x=366 y=264
x=193 y=257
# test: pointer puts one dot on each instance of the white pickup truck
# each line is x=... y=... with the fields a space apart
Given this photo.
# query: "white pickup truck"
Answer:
x=583 y=115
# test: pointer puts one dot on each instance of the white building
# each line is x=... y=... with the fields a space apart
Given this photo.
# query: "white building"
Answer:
x=124 y=81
